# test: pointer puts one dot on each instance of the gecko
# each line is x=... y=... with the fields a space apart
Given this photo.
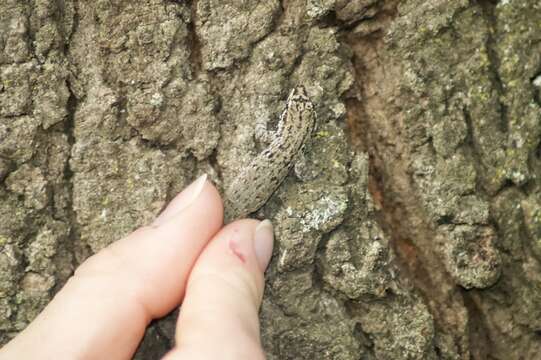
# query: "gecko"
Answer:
x=257 y=181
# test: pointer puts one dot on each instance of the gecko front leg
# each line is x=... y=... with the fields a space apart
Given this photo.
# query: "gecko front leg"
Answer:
x=261 y=177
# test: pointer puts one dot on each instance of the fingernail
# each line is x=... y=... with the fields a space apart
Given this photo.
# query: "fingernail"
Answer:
x=193 y=190
x=263 y=243
x=182 y=200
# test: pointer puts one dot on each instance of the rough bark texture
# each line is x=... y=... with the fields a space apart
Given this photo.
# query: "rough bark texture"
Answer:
x=411 y=229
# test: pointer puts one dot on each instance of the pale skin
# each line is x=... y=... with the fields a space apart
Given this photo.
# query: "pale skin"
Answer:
x=185 y=257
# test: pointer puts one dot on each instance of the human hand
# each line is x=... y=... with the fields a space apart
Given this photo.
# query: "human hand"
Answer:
x=186 y=256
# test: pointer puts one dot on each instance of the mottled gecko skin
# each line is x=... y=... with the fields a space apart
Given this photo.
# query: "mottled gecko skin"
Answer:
x=259 y=180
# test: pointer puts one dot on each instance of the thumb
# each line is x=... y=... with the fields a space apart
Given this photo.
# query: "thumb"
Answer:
x=219 y=315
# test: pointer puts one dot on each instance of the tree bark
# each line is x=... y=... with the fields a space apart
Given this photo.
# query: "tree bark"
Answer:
x=410 y=228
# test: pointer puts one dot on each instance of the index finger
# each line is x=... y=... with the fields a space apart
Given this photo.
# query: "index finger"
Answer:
x=103 y=310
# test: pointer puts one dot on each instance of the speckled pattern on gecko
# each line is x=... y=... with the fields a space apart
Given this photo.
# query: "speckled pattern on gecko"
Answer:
x=258 y=181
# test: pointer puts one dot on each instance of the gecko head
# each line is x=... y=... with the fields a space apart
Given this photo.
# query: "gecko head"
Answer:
x=299 y=97
x=298 y=92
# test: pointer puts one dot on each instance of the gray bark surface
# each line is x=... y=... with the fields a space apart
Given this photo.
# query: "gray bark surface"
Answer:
x=410 y=228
